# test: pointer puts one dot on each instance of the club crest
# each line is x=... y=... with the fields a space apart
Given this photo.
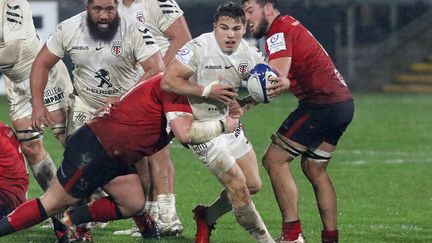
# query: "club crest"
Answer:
x=117 y=48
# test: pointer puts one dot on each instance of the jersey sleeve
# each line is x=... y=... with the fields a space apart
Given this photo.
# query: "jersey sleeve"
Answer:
x=279 y=45
x=55 y=42
x=189 y=55
x=16 y=18
x=143 y=41
x=163 y=13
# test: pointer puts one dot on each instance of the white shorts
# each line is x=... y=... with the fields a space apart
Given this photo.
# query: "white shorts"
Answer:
x=78 y=114
x=56 y=93
x=220 y=153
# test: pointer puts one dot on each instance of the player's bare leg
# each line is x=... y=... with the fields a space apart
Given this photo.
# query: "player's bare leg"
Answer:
x=41 y=163
x=277 y=163
x=315 y=171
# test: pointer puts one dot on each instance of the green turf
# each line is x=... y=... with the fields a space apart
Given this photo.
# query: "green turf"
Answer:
x=382 y=172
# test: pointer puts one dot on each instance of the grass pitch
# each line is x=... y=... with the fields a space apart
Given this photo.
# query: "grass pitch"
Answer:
x=382 y=172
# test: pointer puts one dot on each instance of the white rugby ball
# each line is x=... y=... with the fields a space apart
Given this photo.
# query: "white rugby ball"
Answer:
x=258 y=81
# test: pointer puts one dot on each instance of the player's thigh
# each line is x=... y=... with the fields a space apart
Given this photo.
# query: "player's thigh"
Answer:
x=249 y=165
x=56 y=199
x=126 y=191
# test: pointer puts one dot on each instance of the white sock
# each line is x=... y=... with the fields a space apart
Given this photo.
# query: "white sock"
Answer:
x=167 y=210
x=153 y=209
x=250 y=220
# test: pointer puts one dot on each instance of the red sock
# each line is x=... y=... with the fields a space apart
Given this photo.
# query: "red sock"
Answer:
x=291 y=230
x=27 y=214
x=104 y=210
x=330 y=236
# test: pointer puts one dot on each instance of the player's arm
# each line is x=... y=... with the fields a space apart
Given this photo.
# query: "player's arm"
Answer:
x=179 y=34
x=9 y=54
x=188 y=131
x=43 y=63
x=175 y=80
x=282 y=66
x=152 y=66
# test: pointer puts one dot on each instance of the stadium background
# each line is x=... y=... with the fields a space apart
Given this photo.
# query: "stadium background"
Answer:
x=382 y=167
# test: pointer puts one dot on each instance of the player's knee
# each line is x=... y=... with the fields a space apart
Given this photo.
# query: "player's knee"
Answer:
x=254 y=185
x=314 y=163
x=33 y=150
x=59 y=131
x=136 y=208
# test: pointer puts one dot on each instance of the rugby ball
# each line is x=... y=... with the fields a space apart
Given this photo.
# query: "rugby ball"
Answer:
x=258 y=81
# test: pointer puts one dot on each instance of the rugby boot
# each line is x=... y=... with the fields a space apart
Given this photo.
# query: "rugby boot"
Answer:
x=147 y=226
x=203 y=229
x=61 y=231
x=81 y=234
x=170 y=225
x=300 y=239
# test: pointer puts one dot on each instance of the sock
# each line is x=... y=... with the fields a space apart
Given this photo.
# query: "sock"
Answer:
x=44 y=172
x=291 y=230
x=167 y=210
x=330 y=236
x=250 y=220
x=153 y=209
x=221 y=206
x=101 y=210
x=26 y=215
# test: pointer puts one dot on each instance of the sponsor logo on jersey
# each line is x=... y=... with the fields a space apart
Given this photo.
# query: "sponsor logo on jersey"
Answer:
x=213 y=67
x=104 y=78
x=80 y=48
x=117 y=48
x=14 y=16
x=276 y=43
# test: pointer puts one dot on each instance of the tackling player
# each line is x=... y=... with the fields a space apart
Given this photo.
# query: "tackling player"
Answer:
x=314 y=128
x=96 y=158
x=14 y=179
x=107 y=49
x=221 y=56
x=19 y=45
x=166 y=22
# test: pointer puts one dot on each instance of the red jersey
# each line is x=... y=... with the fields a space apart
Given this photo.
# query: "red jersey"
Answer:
x=314 y=78
x=136 y=125
x=13 y=170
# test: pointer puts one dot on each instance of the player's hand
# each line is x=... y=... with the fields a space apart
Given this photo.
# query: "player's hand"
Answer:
x=40 y=117
x=279 y=85
x=225 y=93
x=231 y=124
x=108 y=102
x=235 y=110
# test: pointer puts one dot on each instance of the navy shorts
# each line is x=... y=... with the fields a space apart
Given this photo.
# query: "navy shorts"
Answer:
x=312 y=124
x=86 y=165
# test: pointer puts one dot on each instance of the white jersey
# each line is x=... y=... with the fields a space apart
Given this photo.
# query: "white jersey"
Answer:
x=157 y=15
x=205 y=58
x=16 y=23
x=102 y=69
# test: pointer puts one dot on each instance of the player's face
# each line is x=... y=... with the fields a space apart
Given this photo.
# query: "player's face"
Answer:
x=229 y=33
x=255 y=18
x=102 y=19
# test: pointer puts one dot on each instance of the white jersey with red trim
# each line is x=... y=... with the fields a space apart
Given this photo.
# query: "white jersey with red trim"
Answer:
x=209 y=64
x=102 y=69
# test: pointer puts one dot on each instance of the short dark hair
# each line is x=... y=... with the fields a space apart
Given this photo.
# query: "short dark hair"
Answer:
x=232 y=10
x=91 y=1
x=264 y=2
